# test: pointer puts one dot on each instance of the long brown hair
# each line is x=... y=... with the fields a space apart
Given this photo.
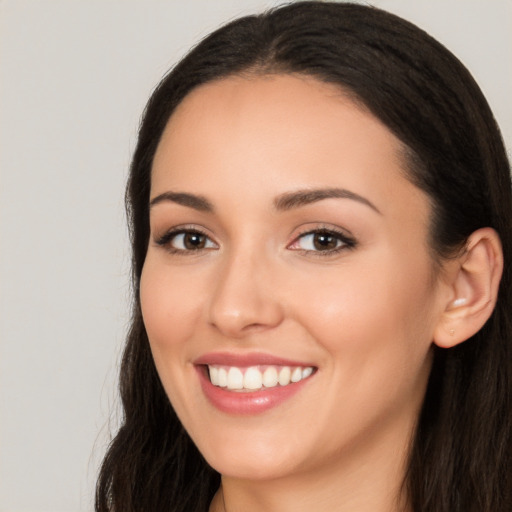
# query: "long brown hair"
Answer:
x=461 y=455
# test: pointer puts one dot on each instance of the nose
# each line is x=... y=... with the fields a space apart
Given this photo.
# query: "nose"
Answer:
x=244 y=298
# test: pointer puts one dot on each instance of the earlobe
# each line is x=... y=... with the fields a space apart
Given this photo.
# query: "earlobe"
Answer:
x=474 y=284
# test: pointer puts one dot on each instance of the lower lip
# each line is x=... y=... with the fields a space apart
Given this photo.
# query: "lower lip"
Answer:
x=250 y=402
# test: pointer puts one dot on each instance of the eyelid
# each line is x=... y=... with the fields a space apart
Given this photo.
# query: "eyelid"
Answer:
x=344 y=236
x=165 y=239
x=347 y=239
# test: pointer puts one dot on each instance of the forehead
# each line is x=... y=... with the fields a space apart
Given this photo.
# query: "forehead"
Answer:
x=290 y=106
x=266 y=133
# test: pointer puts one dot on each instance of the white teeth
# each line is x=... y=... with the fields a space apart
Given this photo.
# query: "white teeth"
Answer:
x=223 y=378
x=235 y=378
x=270 y=377
x=306 y=372
x=284 y=376
x=254 y=378
x=214 y=375
x=296 y=375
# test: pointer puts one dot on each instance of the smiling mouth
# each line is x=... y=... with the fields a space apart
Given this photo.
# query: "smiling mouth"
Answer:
x=256 y=378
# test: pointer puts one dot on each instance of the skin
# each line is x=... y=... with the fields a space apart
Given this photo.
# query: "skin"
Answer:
x=364 y=316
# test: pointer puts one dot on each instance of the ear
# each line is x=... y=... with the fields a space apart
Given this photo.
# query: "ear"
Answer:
x=473 y=281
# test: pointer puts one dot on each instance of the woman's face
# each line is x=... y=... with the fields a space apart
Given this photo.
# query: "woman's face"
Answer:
x=288 y=259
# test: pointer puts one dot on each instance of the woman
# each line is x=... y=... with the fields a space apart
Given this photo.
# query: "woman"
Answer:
x=320 y=208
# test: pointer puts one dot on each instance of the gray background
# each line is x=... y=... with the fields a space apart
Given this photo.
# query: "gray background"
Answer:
x=74 y=76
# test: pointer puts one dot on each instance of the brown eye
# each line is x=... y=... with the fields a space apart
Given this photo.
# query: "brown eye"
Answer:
x=325 y=241
x=322 y=241
x=193 y=241
x=183 y=241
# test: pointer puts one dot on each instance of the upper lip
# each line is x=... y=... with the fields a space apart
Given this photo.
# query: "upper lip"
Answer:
x=246 y=360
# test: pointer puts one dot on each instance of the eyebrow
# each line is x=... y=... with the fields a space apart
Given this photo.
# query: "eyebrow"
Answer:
x=300 y=198
x=191 y=200
x=284 y=202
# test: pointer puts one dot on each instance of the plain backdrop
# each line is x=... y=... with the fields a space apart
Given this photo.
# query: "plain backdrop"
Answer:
x=74 y=77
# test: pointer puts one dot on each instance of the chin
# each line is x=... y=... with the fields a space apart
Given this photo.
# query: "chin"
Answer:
x=249 y=459
x=250 y=469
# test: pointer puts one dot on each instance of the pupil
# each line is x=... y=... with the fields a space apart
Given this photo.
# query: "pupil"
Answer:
x=194 y=241
x=324 y=241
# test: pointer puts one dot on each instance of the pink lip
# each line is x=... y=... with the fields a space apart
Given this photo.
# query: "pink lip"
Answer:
x=251 y=402
x=246 y=360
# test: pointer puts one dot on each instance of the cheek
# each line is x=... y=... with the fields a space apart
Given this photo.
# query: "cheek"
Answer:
x=170 y=311
x=383 y=312
x=376 y=331
x=170 y=304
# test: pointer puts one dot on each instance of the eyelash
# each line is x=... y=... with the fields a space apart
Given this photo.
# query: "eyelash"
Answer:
x=166 y=240
x=346 y=242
